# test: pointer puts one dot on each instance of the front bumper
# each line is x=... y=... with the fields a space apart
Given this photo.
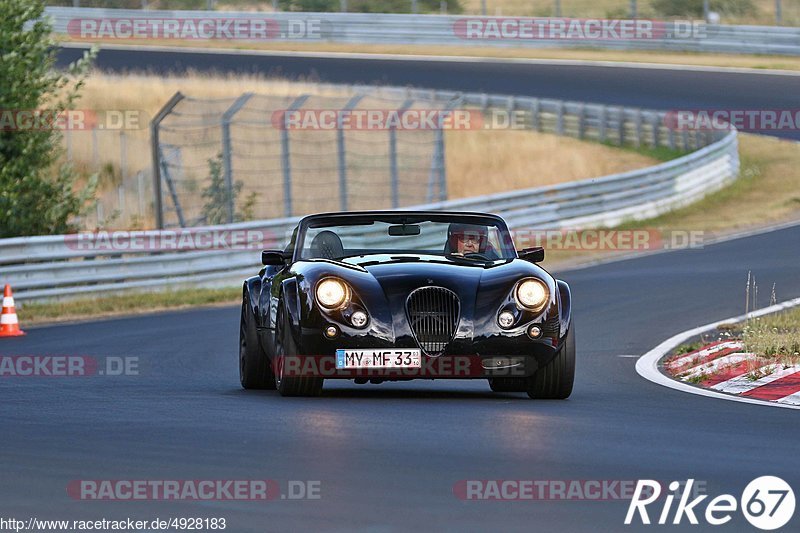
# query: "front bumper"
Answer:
x=485 y=357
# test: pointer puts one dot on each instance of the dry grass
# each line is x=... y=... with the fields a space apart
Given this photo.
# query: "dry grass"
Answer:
x=484 y=162
x=775 y=337
x=764 y=12
x=767 y=192
x=478 y=162
x=764 y=9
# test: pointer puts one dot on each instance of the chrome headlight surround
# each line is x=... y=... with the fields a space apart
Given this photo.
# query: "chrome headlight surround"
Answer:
x=532 y=294
x=332 y=293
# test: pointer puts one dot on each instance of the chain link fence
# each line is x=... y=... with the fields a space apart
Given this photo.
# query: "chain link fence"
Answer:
x=262 y=157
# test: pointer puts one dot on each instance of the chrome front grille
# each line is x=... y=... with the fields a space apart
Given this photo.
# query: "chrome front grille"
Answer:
x=433 y=314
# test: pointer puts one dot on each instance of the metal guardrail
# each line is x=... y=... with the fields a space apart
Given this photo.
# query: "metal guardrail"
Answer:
x=62 y=266
x=374 y=28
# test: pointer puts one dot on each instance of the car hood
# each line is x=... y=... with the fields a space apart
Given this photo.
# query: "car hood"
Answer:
x=383 y=283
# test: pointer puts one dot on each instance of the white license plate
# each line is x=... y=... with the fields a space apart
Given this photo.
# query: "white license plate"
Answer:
x=351 y=359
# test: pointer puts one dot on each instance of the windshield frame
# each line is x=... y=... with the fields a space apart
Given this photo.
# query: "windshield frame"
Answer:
x=357 y=218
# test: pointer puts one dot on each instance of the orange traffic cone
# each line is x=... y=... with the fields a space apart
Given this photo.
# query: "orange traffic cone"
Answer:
x=9 y=325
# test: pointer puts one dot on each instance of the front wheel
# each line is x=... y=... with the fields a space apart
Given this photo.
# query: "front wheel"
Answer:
x=554 y=381
x=255 y=371
x=285 y=349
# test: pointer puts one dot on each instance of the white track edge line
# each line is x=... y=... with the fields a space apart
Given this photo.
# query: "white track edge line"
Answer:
x=647 y=364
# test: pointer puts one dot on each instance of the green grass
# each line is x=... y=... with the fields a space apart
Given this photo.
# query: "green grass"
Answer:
x=775 y=336
x=688 y=347
x=124 y=304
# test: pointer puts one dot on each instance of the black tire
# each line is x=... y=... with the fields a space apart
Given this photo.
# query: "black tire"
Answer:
x=255 y=371
x=285 y=347
x=554 y=381
x=508 y=384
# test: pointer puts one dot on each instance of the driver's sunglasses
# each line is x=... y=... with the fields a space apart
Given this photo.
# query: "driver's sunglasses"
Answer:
x=470 y=237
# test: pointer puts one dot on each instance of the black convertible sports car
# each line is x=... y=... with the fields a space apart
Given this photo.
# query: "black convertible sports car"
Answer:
x=395 y=295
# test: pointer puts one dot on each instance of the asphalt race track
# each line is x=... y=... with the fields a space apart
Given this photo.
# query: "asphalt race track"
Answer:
x=388 y=456
x=665 y=89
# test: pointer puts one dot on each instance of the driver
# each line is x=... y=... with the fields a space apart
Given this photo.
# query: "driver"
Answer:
x=463 y=239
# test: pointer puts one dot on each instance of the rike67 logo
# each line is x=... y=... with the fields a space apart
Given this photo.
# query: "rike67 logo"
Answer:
x=767 y=503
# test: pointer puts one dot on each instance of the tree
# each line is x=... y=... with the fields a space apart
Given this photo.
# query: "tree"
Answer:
x=38 y=191
x=219 y=198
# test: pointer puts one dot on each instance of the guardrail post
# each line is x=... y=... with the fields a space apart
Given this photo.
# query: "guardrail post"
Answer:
x=601 y=125
x=778 y=13
x=685 y=139
x=286 y=158
x=671 y=137
x=581 y=121
x=394 y=173
x=639 y=132
x=342 y=153
x=156 y=152
x=227 y=150
x=560 y=119
x=621 y=127
x=536 y=119
x=655 y=124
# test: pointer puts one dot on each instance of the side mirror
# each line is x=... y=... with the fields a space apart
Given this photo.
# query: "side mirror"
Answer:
x=273 y=258
x=532 y=255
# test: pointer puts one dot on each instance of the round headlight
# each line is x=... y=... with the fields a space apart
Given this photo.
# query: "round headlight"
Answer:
x=332 y=293
x=359 y=319
x=506 y=319
x=532 y=294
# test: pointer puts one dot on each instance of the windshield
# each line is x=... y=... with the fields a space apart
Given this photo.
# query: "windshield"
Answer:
x=470 y=238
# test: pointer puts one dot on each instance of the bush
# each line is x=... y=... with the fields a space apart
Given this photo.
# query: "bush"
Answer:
x=218 y=199
x=37 y=192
